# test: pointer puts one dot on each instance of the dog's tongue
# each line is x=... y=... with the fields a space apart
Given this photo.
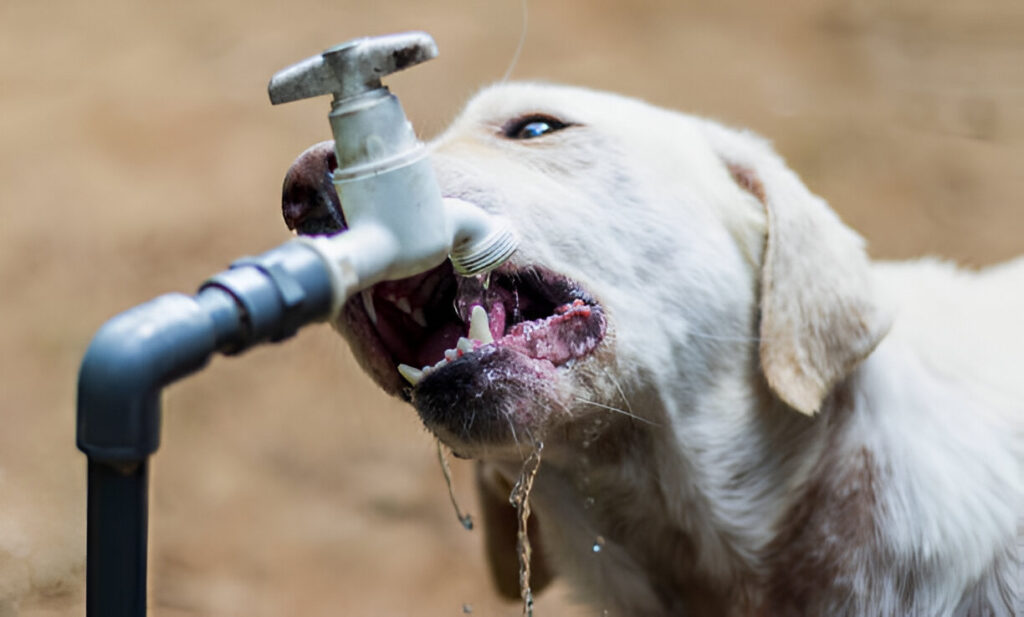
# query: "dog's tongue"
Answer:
x=474 y=291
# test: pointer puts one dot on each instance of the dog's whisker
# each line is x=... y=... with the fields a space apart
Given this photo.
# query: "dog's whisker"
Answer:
x=515 y=437
x=615 y=382
x=616 y=410
x=717 y=337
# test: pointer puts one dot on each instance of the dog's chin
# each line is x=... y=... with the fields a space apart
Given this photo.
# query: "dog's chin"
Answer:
x=489 y=400
x=487 y=360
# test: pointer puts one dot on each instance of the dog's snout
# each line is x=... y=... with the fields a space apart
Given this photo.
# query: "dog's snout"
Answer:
x=309 y=202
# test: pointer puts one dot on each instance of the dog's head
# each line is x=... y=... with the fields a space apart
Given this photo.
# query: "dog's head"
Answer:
x=659 y=252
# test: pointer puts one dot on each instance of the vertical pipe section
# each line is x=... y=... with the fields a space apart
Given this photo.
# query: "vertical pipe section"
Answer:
x=124 y=370
x=118 y=513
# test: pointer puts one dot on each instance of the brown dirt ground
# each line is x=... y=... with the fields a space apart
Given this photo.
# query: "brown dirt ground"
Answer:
x=138 y=155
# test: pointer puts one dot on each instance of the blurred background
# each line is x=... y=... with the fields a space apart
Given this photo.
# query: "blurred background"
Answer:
x=139 y=154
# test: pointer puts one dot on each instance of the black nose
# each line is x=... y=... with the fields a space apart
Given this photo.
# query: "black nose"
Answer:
x=309 y=202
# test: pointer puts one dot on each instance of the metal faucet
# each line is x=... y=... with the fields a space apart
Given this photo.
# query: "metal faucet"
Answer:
x=398 y=223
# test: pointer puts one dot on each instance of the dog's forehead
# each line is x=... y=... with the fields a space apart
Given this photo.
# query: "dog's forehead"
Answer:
x=501 y=102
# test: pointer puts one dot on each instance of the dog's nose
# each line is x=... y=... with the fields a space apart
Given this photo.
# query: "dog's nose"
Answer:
x=309 y=202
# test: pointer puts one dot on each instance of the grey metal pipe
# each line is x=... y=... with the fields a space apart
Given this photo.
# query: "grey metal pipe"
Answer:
x=130 y=360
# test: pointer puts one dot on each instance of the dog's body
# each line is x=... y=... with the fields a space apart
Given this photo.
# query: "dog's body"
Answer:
x=709 y=298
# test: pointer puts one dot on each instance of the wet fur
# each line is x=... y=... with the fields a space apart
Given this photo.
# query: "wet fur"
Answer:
x=814 y=434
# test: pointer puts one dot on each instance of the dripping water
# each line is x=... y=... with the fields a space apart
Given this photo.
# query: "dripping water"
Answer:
x=520 y=498
x=465 y=519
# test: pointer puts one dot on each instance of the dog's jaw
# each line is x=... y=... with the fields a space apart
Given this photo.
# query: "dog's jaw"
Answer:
x=498 y=353
x=489 y=398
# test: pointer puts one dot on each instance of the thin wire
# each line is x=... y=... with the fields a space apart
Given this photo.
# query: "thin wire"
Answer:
x=519 y=47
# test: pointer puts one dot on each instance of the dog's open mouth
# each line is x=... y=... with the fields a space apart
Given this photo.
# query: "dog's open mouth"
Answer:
x=428 y=323
x=482 y=354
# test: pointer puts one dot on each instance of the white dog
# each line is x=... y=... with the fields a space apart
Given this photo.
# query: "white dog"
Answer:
x=741 y=415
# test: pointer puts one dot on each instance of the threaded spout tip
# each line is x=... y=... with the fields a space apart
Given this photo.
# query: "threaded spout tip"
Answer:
x=486 y=254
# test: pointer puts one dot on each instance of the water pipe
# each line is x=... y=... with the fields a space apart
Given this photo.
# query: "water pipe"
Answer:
x=398 y=225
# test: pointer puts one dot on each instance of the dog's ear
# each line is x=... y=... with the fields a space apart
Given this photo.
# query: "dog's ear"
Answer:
x=819 y=313
x=501 y=528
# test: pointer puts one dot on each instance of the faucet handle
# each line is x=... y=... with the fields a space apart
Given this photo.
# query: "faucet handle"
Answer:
x=351 y=68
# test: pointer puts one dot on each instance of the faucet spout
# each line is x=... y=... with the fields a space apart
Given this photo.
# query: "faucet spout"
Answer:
x=480 y=241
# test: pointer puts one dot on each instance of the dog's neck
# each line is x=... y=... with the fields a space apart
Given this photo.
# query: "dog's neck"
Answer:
x=757 y=507
x=682 y=512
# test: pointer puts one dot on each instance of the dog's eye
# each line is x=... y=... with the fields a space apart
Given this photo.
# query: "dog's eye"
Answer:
x=530 y=127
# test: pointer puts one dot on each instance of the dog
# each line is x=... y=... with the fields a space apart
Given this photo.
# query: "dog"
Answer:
x=740 y=414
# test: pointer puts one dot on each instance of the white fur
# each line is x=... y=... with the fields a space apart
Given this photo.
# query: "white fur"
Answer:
x=912 y=376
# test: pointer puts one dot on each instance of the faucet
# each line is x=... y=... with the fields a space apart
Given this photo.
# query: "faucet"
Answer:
x=398 y=223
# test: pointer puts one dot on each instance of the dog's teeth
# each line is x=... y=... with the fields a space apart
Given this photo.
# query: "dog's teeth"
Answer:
x=412 y=374
x=480 y=325
x=464 y=345
x=419 y=317
x=404 y=306
x=450 y=354
x=371 y=312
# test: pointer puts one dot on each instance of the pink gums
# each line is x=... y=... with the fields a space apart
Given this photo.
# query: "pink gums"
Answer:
x=574 y=330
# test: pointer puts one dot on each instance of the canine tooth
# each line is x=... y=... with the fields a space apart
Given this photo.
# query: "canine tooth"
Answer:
x=412 y=374
x=368 y=305
x=403 y=305
x=464 y=345
x=419 y=317
x=480 y=325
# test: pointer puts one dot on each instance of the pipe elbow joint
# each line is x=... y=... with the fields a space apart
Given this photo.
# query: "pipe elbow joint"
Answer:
x=128 y=362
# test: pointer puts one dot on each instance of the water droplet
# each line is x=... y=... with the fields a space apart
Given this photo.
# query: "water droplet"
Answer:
x=464 y=518
x=585 y=444
x=528 y=604
x=598 y=544
x=468 y=609
x=588 y=503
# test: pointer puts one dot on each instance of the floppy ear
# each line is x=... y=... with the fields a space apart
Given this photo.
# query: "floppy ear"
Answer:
x=501 y=526
x=819 y=313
